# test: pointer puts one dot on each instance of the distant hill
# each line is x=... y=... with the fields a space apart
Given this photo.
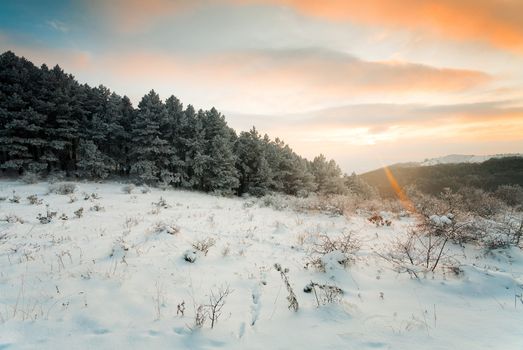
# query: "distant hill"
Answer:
x=487 y=175
x=464 y=158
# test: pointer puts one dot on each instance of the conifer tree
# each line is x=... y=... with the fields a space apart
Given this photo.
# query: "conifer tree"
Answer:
x=253 y=168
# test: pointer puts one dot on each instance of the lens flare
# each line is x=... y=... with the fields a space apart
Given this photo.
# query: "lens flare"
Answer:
x=402 y=196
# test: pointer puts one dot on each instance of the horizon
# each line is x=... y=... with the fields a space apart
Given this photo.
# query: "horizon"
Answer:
x=365 y=84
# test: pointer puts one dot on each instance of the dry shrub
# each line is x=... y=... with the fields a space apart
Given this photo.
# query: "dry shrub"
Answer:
x=203 y=245
x=342 y=249
x=324 y=293
x=63 y=188
x=34 y=200
x=128 y=188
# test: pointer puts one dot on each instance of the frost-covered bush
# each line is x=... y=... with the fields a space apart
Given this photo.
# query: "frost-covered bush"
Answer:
x=162 y=203
x=324 y=293
x=128 y=188
x=15 y=198
x=467 y=216
x=330 y=252
x=34 y=200
x=275 y=201
x=511 y=195
x=203 y=245
x=79 y=213
x=56 y=176
x=12 y=219
x=503 y=231
x=420 y=252
x=97 y=207
x=162 y=227
x=30 y=178
x=48 y=217
x=480 y=203
x=64 y=188
x=190 y=255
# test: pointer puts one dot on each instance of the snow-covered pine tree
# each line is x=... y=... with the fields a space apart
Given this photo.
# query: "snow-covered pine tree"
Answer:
x=253 y=168
x=151 y=155
x=217 y=165
x=328 y=176
x=171 y=127
x=92 y=163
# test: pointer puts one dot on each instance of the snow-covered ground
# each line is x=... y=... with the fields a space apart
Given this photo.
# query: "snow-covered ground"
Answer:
x=113 y=279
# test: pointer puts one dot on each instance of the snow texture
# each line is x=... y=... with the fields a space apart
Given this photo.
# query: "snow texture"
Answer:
x=111 y=280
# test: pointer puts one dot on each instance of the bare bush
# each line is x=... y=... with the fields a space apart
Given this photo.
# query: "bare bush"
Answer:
x=15 y=198
x=200 y=316
x=511 y=195
x=34 y=200
x=480 y=203
x=12 y=219
x=63 y=188
x=180 y=309
x=161 y=226
x=418 y=252
x=324 y=293
x=503 y=231
x=328 y=250
x=49 y=215
x=203 y=245
x=97 y=207
x=216 y=303
x=378 y=220
x=79 y=213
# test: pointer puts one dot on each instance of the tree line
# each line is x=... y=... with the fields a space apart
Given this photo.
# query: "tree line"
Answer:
x=488 y=176
x=51 y=123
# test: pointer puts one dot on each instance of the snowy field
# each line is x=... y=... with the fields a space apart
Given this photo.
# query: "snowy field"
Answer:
x=114 y=277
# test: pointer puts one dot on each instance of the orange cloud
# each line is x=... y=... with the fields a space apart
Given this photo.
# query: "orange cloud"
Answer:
x=313 y=70
x=499 y=23
x=136 y=15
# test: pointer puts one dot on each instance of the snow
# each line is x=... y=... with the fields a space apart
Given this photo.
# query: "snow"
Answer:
x=112 y=280
x=442 y=220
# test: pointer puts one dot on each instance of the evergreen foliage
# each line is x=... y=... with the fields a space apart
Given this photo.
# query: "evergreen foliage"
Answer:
x=49 y=123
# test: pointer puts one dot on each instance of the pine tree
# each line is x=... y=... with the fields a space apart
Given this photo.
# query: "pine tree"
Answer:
x=151 y=155
x=327 y=176
x=253 y=168
x=172 y=126
x=92 y=163
x=216 y=167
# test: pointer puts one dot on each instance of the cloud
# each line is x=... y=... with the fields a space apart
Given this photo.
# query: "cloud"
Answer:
x=381 y=117
x=363 y=137
x=499 y=23
x=299 y=78
x=131 y=16
x=57 y=25
x=73 y=61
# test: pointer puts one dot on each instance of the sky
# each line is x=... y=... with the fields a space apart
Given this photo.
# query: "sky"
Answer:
x=366 y=83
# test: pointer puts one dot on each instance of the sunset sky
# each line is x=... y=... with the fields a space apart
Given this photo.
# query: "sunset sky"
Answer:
x=365 y=82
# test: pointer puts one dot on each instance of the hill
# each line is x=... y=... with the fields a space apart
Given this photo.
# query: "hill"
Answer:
x=433 y=179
